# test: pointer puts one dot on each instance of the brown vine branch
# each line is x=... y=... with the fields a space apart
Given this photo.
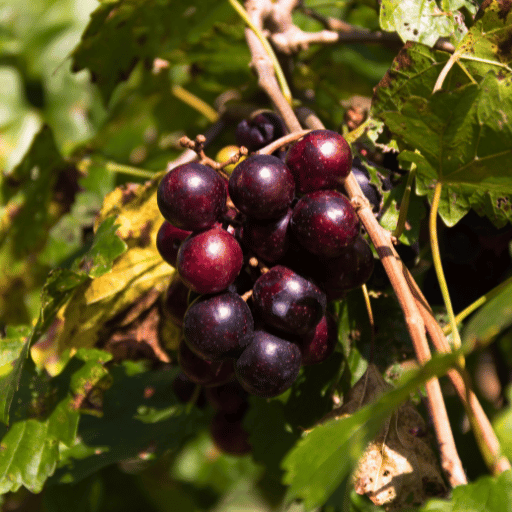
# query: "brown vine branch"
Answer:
x=498 y=463
x=259 y=12
x=382 y=240
x=338 y=31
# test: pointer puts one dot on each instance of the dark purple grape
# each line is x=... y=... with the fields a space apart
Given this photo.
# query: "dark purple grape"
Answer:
x=362 y=177
x=317 y=345
x=321 y=160
x=218 y=327
x=269 y=365
x=349 y=270
x=200 y=371
x=229 y=435
x=184 y=389
x=208 y=262
x=259 y=131
x=288 y=302
x=325 y=223
x=262 y=187
x=230 y=398
x=168 y=241
x=269 y=240
x=192 y=196
x=175 y=302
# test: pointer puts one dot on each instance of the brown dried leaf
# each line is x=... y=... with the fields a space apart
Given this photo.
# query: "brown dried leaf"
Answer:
x=399 y=468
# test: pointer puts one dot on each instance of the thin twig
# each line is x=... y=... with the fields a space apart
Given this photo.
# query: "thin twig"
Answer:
x=263 y=66
x=283 y=141
x=189 y=155
x=347 y=33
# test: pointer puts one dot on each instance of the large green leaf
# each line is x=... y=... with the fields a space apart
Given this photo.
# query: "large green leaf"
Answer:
x=45 y=417
x=122 y=33
x=321 y=460
x=141 y=418
x=60 y=286
x=464 y=141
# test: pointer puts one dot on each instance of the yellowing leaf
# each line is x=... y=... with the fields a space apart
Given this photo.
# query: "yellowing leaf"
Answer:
x=80 y=322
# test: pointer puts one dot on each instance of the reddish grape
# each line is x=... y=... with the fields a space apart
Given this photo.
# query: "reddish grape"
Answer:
x=349 y=270
x=192 y=196
x=208 y=262
x=218 y=327
x=320 y=160
x=325 y=223
x=175 y=303
x=262 y=187
x=317 y=345
x=168 y=241
x=269 y=240
x=269 y=365
x=230 y=398
x=287 y=301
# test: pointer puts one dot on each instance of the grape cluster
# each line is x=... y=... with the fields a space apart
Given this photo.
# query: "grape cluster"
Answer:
x=258 y=257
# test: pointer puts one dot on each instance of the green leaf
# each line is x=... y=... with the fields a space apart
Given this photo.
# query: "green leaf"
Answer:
x=122 y=33
x=107 y=246
x=10 y=383
x=489 y=38
x=416 y=21
x=464 y=140
x=490 y=319
x=266 y=416
x=413 y=72
x=141 y=418
x=30 y=448
x=12 y=344
x=132 y=214
x=58 y=289
x=321 y=460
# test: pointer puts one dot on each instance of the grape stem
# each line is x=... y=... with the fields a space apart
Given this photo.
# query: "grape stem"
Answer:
x=339 y=31
x=283 y=141
x=257 y=30
x=258 y=11
x=128 y=169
